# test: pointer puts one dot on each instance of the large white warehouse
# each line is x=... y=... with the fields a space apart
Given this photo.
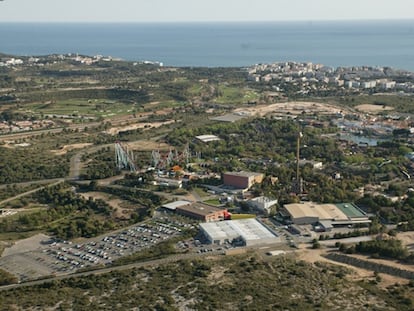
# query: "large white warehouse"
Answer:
x=249 y=231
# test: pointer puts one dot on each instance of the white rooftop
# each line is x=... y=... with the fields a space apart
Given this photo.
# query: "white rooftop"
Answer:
x=207 y=138
x=250 y=230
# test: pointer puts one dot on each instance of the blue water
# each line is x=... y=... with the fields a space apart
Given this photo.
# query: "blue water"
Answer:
x=374 y=43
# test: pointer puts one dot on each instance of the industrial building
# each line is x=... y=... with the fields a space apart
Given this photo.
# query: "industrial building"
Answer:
x=248 y=232
x=173 y=205
x=197 y=210
x=329 y=215
x=168 y=182
x=262 y=204
x=242 y=180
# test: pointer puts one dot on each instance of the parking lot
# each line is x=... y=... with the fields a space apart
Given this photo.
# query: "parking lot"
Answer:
x=61 y=257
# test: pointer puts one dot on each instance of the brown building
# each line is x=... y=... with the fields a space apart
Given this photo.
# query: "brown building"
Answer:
x=242 y=180
x=202 y=212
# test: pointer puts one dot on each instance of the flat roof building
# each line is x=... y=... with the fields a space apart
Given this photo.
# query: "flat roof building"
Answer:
x=173 y=205
x=338 y=214
x=242 y=180
x=207 y=138
x=262 y=203
x=201 y=211
x=249 y=231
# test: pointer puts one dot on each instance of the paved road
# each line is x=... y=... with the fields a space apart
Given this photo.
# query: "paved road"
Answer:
x=34 y=182
x=76 y=160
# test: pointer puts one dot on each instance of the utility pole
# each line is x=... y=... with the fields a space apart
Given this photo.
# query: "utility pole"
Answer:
x=298 y=186
x=300 y=135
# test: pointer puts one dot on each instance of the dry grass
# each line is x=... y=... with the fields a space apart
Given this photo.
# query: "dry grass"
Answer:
x=143 y=125
x=65 y=149
x=294 y=108
x=359 y=274
x=370 y=108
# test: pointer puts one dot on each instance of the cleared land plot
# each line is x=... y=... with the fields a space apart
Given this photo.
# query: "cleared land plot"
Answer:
x=370 y=108
x=148 y=145
x=21 y=259
x=290 y=108
x=230 y=117
x=407 y=239
x=120 y=206
x=26 y=266
x=33 y=243
x=143 y=125
x=316 y=255
x=65 y=149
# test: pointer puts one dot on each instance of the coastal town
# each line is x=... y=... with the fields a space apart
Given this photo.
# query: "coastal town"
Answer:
x=112 y=163
x=309 y=77
x=207 y=155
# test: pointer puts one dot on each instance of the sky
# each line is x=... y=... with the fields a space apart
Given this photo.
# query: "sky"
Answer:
x=203 y=11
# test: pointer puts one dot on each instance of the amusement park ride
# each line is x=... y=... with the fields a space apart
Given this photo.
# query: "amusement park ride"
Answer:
x=124 y=158
x=165 y=160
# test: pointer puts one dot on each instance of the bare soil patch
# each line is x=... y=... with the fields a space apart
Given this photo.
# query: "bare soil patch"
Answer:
x=65 y=149
x=407 y=238
x=13 y=145
x=113 y=202
x=120 y=211
x=148 y=145
x=294 y=108
x=30 y=244
x=315 y=255
x=370 y=108
x=143 y=125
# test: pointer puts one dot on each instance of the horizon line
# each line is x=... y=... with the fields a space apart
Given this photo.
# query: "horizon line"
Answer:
x=213 y=22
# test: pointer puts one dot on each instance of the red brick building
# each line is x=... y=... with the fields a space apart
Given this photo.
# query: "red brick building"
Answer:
x=202 y=212
x=242 y=180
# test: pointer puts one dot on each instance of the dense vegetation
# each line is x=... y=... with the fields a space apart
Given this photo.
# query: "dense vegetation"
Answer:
x=70 y=94
x=17 y=166
x=101 y=164
x=7 y=278
x=68 y=215
x=143 y=197
x=214 y=285
x=268 y=145
x=388 y=248
x=400 y=212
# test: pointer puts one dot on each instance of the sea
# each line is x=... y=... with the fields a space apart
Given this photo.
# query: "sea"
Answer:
x=228 y=44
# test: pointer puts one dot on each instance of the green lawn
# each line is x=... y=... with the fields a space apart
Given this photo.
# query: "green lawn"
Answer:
x=80 y=107
x=242 y=216
x=214 y=202
x=235 y=95
x=200 y=192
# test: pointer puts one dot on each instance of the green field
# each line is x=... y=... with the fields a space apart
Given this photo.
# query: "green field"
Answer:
x=79 y=108
x=214 y=202
x=235 y=95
